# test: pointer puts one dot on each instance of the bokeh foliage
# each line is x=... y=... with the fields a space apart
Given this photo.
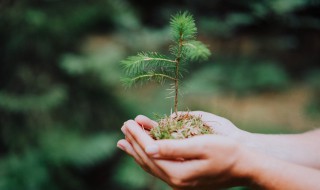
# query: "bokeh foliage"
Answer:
x=59 y=122
x=61 y=101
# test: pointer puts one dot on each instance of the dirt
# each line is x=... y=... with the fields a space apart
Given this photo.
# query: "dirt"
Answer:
x=180 y=127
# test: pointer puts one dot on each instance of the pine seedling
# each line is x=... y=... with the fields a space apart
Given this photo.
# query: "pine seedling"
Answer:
x=153 y=66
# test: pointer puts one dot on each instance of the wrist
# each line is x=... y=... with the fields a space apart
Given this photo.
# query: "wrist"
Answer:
x=243 y=168
x=250 y=140
x=242 y=137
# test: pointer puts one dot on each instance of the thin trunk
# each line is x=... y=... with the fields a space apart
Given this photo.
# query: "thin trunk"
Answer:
x=176 y=88
x=176 y=83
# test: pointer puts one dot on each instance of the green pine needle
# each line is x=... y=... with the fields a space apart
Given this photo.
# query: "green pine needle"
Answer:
x=152 y=66
x=145 y=61
x=183 y=26
x=196 y=50
x=151 y=76
x=148 y=66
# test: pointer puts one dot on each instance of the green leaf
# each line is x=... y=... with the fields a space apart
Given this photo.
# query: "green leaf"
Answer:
x=183 y=26
x=196 y=50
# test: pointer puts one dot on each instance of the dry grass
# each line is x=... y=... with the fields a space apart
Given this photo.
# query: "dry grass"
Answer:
x=180 y=127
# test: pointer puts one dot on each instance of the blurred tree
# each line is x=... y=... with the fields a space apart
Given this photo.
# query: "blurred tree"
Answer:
x=57 y=128
x=286 y=31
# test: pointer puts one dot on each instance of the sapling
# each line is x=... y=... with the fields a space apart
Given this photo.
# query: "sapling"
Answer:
x=153 y=66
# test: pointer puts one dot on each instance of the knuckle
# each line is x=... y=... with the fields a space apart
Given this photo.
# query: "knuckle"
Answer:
x=165 y=150
x=177 y=182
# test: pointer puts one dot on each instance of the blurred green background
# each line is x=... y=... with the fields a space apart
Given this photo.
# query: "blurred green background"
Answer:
x=62 y=103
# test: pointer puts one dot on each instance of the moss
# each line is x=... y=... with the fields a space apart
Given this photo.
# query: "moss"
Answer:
x=180 y=127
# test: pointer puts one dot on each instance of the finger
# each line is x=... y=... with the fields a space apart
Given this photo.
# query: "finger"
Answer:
x=125 y=146
x=191 y=148
x=123 y=129
x=162 y=168
x=139 y=156
x=147 y=163
x=145 y=122
x=186 y=170
x=128 y=147
x=142 y=159
x=138 y=134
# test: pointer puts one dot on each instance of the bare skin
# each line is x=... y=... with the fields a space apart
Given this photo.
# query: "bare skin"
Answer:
x=214 y=161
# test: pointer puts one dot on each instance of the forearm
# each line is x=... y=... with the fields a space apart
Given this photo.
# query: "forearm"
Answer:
x=265 y=172
x=302 y=149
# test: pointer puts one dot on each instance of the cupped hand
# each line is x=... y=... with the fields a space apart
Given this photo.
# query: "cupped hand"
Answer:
x=201 y=162
x=220 y=125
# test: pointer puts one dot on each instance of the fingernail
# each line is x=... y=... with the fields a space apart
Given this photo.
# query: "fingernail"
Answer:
x=121 y=146
x=152 y=149
x=140 y=116
x=130 y=124
x=123 y=130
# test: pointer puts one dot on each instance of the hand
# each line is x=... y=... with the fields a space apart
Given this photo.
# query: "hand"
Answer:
x=208 y=161
x=220 y=125
x=200 y=162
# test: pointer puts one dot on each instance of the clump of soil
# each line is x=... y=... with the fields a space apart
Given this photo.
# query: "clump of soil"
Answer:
x=180 y=127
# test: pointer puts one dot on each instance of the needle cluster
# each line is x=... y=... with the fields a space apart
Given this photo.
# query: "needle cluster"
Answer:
x=153 y=66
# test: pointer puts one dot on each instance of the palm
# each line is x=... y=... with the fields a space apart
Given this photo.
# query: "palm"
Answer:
x=220 y=125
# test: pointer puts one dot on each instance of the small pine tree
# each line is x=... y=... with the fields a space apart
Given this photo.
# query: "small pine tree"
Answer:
x=147 y=66
x=153 y=66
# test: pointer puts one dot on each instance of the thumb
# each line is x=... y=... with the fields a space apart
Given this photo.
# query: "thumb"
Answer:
x=145 y=122
x=176 y=149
